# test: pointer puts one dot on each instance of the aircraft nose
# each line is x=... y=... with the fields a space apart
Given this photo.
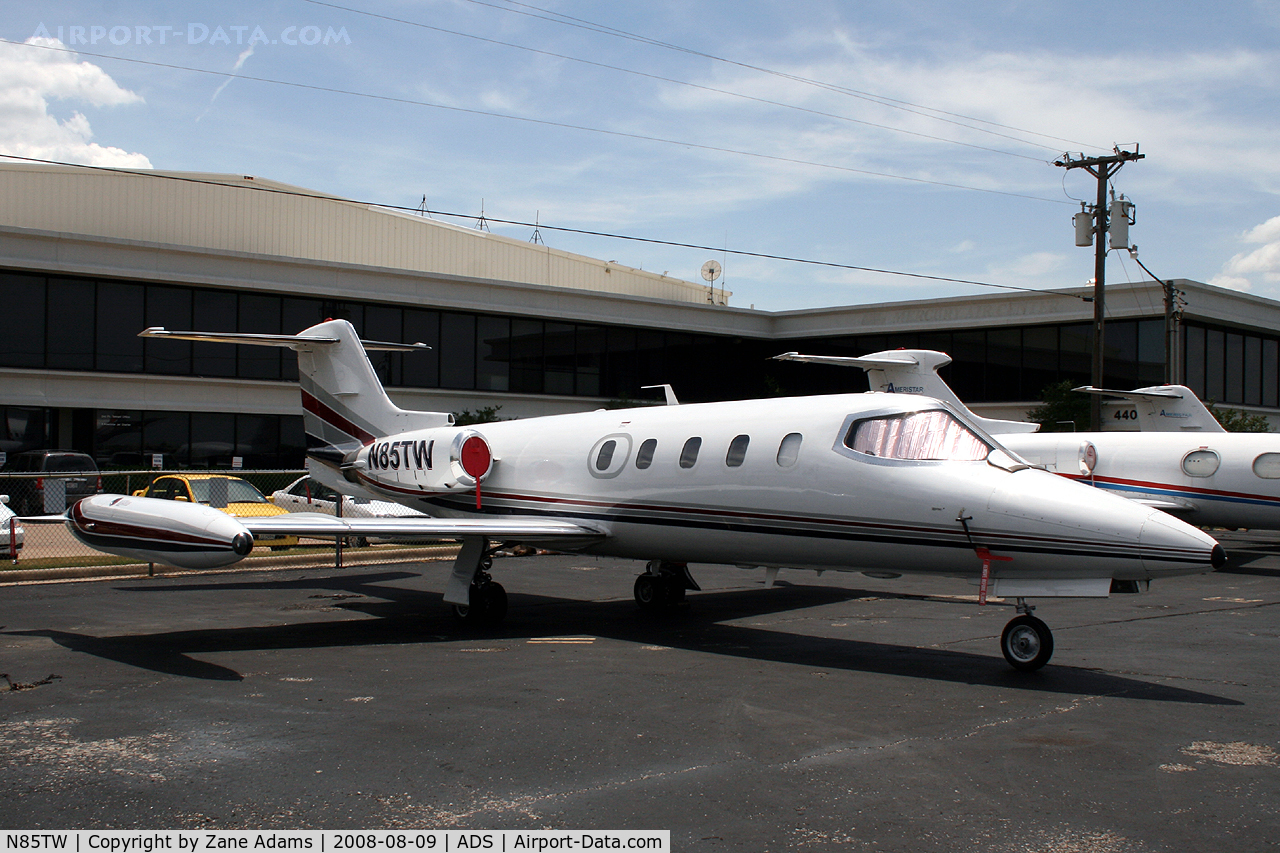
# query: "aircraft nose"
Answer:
x=1173 y=547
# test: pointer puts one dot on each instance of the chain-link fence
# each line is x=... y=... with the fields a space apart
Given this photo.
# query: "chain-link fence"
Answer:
x=34 y=551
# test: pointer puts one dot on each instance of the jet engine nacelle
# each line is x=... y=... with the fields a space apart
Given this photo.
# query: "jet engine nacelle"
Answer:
x=188 y=536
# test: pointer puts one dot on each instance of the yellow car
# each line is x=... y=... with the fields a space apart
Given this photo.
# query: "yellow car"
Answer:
x=243 y=500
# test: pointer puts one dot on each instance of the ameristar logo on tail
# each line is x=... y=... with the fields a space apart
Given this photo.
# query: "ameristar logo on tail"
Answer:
x=875 y=482
x=1182 y=461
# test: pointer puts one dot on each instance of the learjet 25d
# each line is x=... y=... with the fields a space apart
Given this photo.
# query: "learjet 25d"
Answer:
x=882 y=483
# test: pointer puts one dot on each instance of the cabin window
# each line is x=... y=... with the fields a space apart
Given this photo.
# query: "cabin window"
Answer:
x=934 y=435
x=1200 y=463
x=789 y=449
x=644 y=457
x=689 y=453
x=1267 y=466
x=605 y=456
x=609 y=456
x=737 y=451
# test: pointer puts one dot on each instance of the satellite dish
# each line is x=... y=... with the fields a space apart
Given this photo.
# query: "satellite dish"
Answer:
x=711 y=270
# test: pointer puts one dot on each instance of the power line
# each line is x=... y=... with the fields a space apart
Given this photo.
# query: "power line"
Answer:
x=421 y=208
x=544 y=122
x=883 y=100
x=663 y=79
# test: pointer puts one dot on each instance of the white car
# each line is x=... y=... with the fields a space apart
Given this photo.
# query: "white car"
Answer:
x=10 y=540
x=308 y=495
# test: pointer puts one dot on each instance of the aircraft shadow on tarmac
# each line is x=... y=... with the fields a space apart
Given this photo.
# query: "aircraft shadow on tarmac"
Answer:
x=416 y=616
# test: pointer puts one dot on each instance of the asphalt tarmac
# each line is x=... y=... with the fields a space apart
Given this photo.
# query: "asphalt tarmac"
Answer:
x=833 y=712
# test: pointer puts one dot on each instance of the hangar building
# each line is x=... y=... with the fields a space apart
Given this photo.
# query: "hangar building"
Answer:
x=89 y=257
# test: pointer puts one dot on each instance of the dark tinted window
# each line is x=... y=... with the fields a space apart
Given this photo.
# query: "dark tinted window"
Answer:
x=526 y=356
x=169 y=307
x=493 y=353
x=1194 y=377
x=1214 y=365
x=260 y=315
x=71 y=320
x=457 y=350
x=689 y=453
x=644 y=458
x=605 y=457
x=737 y=451
x=560 y=352
x=422 y=369
x=215 y=311
x=120 y=318
x=21 y=321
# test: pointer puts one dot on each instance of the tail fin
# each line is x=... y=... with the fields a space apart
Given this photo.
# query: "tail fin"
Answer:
x=344 y=405
x=1165 y=408
x=912 y=371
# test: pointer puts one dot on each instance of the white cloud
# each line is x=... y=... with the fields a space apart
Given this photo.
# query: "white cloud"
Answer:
x=30 y=78
x=1183 y=108
x=1261 y=264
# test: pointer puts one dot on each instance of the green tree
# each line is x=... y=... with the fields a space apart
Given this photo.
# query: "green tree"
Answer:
x=1061 y=409
x=482 y=415
x=1234 y=420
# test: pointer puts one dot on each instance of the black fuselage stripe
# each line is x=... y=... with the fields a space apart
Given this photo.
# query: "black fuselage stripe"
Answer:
x=956 y=540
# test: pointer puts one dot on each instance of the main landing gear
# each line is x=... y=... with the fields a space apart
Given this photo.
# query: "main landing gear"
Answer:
x=487 y=601
x=476 y=597
x=663 y=585
x=1027 y=642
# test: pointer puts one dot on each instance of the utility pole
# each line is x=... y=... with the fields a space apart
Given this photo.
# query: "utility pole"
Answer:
x=1101 y=168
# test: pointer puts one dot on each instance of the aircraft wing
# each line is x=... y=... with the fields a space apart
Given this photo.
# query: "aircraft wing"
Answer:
x=509 y=527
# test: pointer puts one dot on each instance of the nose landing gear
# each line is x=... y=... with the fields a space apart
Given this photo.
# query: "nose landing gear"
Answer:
x=1026 y=641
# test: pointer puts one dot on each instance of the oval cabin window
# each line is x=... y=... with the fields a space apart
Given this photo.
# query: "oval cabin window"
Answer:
x=1267 y=466
x=644 y=456
x=689 y=453
x=609 y=455
x=789 y=449
x=1200 y=463
x=605 y=457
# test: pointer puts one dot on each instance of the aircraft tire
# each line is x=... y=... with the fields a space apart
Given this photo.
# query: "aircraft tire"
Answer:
x=650 y=592
x=1027 y=643
x=495 y=602
x=488 y=605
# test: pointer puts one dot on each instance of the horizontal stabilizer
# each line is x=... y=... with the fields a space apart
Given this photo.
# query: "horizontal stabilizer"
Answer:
x=876 y=360
x=294 y=342
x=1167 y=392
x=911 y=372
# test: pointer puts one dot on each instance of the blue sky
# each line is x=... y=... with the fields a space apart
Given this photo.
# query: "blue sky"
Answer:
x=926 y=149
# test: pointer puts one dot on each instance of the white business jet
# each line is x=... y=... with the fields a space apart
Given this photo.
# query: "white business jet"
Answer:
x=861 y=482
x=1195 y=470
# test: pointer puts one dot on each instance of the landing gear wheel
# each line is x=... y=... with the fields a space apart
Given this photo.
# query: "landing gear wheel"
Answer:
x=488 y=605
x=650 y=592
x=1027 y=643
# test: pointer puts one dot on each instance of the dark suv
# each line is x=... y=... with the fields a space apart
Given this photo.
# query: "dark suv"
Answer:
x=76 y=470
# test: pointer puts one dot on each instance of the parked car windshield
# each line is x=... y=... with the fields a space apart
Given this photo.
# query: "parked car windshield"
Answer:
x=238 y=492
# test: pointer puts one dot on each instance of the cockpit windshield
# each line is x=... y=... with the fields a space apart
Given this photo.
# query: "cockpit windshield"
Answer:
x=928 y=435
